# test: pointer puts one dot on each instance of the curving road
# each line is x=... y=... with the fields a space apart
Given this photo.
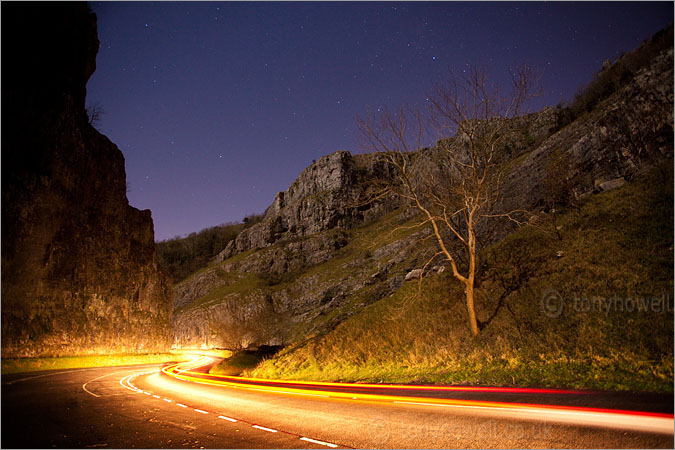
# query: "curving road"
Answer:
x=143 y=407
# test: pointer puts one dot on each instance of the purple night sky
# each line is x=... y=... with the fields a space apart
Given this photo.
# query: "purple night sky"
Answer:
x=217 y=106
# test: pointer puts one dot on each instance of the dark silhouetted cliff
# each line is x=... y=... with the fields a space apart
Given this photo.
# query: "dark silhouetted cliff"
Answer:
x=79 y=270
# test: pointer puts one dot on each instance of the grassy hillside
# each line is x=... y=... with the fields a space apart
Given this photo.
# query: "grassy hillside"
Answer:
x=593 y=308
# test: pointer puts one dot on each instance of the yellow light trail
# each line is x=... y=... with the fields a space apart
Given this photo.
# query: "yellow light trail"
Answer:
x=625 y=419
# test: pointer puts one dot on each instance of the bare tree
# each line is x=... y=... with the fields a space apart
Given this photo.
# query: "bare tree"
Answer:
x=457 y=186
x=94 y=113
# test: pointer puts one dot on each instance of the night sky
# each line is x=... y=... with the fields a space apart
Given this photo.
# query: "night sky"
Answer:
x=217 y=106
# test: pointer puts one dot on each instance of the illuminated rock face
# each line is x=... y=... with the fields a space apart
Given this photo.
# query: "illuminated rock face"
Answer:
x=79 y=270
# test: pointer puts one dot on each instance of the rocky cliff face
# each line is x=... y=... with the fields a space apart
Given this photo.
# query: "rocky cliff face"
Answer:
x=294 y=288
x=79 y=270
x=607 y=146
x=327 y=194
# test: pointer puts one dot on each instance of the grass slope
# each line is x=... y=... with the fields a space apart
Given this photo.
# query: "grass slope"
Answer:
x=16 y=365
x=593 y=309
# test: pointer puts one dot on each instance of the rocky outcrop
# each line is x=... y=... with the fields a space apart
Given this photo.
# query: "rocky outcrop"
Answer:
x=79 y=270
x=327 y=194
x=626 y=133
x=269 y=262
x=241 y=302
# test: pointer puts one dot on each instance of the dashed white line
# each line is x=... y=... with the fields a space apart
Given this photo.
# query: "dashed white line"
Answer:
x=314 y=441
x=201 y=411
x=264 y=429
x=181 y=405
x=147 y=393
x=227 y=418
x=167 y=400
x=156 y=396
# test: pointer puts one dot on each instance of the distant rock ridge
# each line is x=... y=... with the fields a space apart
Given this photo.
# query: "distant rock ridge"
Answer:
x=79 y=270
x=325 y=195
x=624 y=134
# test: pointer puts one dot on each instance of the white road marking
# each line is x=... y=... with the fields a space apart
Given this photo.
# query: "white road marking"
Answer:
x=130 y=387
x=74 y=370
x=46 y=375
x=201 y=411
x=314 y=441
x=84 y=386
x=181 y=405
x=88 y=391
x=156 y=396
x=167 y=400
x=227 y=418
x=264 y=429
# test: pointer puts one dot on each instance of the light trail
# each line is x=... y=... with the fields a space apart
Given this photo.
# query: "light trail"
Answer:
x=203 y=361
x=126 y=382
x=612 y=418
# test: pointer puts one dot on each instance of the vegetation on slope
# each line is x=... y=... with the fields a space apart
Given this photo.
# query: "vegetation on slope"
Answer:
x=591 y=309
x=355 y=275
x=182 y=256
x=611 y=77
x=15 y=365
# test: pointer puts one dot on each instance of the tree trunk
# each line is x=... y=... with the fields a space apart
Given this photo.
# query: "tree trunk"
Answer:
x=469 y=284
x=473 y=323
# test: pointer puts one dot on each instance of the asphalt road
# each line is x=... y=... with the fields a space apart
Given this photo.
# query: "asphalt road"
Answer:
x=117 y=407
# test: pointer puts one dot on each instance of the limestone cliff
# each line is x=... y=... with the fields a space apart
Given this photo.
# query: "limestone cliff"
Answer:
x=327 y=194
x=606 y=147
x=79 y=270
